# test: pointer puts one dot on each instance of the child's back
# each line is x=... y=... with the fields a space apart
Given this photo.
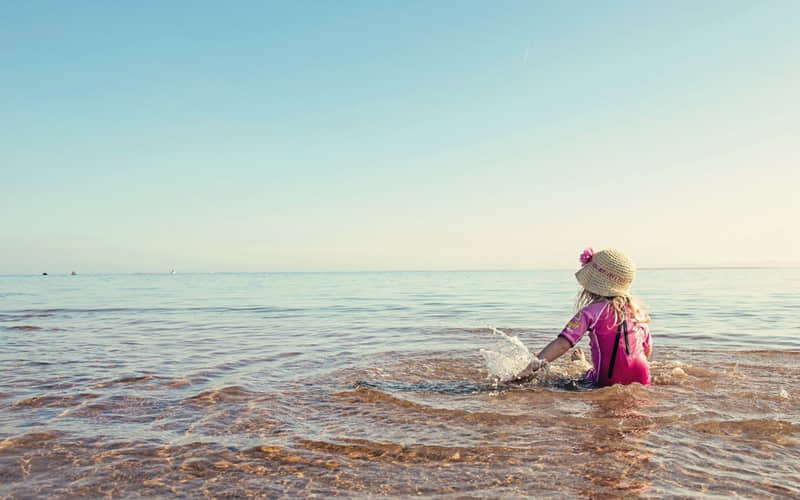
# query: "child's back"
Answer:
x=616 y=359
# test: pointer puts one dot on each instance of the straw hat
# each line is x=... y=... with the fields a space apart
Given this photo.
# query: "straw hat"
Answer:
x=608 y=273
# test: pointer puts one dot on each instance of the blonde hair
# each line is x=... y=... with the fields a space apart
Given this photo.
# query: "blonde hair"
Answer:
x=624 y=306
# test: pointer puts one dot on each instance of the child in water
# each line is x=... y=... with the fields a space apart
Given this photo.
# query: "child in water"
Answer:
x=617 y=324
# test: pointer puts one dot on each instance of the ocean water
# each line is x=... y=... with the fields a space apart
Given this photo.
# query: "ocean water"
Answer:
x=287 y=385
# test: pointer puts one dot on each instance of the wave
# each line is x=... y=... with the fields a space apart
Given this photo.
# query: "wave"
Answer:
x=231 y=394
x=441 y=387
x=364 y=449
x=126 y=380
x=44 y=313
x=57 y=401
x=370 y=396
x=764 y=429
x=15 y=445
x=24 y=328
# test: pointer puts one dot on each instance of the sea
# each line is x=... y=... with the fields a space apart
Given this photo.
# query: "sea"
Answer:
x=388 y=384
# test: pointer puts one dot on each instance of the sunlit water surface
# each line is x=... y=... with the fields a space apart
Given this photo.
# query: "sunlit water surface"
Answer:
x=369 y=384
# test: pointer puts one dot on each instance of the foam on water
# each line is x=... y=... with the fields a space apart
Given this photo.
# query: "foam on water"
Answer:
x=507 y=357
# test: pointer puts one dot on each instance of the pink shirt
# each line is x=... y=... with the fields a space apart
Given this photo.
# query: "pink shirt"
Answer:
x=598 y=320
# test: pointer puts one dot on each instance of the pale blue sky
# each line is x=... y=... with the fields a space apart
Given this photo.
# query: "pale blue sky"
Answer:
x=266 y=136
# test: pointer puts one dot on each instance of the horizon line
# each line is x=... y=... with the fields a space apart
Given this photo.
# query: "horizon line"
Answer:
x=344 y=271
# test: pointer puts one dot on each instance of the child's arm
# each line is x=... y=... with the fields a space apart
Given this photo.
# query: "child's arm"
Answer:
x=554 y=349
x=570 y=335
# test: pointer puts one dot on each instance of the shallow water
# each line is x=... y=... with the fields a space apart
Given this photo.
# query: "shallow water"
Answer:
x=369 y=384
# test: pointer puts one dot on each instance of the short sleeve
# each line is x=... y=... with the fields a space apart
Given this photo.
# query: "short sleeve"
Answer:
x=576 y=327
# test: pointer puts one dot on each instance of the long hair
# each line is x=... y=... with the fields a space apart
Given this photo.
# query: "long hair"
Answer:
x=625 y=306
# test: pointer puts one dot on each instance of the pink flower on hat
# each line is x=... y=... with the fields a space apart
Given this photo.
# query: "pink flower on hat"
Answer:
x=587 y=255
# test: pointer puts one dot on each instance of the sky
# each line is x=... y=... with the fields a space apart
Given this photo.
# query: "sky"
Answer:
x=415 y=135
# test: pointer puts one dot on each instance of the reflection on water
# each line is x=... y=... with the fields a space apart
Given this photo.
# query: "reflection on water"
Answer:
x=359 y=398
x=406 y=425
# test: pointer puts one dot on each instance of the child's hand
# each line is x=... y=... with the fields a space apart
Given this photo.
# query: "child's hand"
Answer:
x=534 y=365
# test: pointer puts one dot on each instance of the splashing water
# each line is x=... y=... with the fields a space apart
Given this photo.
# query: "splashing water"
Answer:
x=508 y=357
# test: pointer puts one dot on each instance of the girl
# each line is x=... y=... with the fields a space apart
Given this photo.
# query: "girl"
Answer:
x=617 y=324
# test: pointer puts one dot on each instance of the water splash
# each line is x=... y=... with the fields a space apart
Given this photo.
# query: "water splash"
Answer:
x=507 y=357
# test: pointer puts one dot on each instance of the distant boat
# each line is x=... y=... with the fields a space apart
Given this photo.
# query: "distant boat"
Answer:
x=172 y=272
x=73 y=273
x=44 y=274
